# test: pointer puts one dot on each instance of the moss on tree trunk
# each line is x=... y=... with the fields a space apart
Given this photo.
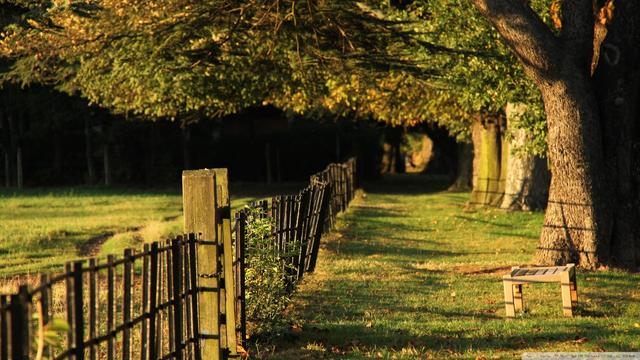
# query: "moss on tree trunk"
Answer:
x=488 y=184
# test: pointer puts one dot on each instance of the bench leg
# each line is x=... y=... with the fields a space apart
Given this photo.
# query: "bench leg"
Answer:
x=518 y=301
x=574 y=288
x=565 y=285
x=508 y=299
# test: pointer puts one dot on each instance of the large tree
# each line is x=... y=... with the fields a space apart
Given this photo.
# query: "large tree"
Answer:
x=591 y=119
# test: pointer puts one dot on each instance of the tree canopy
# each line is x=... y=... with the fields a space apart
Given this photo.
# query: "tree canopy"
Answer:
x=399 y=63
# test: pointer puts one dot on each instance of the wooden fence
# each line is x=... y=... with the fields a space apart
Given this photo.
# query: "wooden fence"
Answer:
x=177 y=299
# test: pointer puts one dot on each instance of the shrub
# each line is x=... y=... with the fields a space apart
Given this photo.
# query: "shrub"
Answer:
x=265 y=278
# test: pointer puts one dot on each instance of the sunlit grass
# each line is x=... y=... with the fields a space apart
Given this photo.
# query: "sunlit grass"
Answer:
x=42 y=229
x=414 y=274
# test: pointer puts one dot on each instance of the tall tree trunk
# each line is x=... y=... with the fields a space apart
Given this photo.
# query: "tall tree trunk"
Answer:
x=88 y=146
x=577 y=223
x=444 y=147
x=527 y=175
x=488 y=186
x=19 y=168
x=464 y=168
x=392 y=159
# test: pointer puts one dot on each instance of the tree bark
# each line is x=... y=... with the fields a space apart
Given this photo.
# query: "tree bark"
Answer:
x=577 y=225
x=464 y=172
x=19 y=168
x=393 y=158
x=488 y=188
x=527 y=175
x=577 y=222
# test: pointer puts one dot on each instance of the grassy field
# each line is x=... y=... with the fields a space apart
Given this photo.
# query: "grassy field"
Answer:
x=42 y=229
x=413 y=274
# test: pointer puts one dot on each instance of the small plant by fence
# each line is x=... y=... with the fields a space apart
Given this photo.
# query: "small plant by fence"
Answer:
x=178 y=299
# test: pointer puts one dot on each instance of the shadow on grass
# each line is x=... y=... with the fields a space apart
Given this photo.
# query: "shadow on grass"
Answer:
x=340 y=339
x=407 y=184
x=492 y=223
x=520 y=235
x=388 y=249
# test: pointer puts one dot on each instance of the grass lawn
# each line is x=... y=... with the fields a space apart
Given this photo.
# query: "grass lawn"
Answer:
x=42 y=229
x=412 y=274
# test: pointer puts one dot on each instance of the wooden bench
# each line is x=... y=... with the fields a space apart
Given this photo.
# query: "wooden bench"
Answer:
x=565 y=275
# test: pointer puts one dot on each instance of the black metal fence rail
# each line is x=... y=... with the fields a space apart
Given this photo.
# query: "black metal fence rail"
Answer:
x=142 y=305
x=145 y=304
x=342 y=180
x=299 y=222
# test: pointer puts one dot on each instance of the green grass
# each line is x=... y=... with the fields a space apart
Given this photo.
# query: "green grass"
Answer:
x=413 y=274
x=41 y=229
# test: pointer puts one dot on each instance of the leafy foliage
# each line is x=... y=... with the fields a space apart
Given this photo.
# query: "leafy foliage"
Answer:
x=400 y=63
x=265 y=278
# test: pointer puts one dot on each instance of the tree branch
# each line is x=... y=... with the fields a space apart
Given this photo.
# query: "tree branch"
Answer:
x=577 y=31
x=526 y=34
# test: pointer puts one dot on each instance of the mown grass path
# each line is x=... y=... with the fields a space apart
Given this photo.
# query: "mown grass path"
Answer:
x=412 y=274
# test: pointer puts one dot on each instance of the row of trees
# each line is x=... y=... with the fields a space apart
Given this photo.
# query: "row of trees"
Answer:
x=566 y=76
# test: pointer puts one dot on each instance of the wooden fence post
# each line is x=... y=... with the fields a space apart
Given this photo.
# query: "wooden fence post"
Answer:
x=223 y=203
x=193 y=284
x=199 y=204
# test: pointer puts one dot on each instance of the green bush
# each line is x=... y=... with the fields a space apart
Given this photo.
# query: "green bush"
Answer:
x=265 y=278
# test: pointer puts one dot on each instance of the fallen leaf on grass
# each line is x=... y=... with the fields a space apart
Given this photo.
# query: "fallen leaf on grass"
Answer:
x=581 y=340
x=636 y=325
x=296 y=329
